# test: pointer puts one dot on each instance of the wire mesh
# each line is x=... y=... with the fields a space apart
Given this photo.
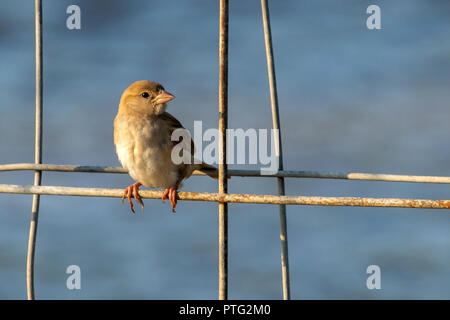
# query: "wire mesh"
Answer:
x=222 y=197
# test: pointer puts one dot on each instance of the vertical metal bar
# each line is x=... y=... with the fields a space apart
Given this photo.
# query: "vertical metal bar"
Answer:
x=278 y=148
x=38 y=152
x=223 y=124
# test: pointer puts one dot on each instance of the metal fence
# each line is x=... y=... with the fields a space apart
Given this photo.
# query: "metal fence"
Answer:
x=222 y=197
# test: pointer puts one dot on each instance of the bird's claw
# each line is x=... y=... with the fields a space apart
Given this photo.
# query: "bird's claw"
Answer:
x=133 y=191
x=172 y=192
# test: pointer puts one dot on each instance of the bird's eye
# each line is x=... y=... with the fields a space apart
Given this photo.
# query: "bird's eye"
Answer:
x=145 y=95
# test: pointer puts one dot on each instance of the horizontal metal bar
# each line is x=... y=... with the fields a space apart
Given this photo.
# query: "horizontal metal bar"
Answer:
x=61 y=168
x=232 y=198
x=240 y=173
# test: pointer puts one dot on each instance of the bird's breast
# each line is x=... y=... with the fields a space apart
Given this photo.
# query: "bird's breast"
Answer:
x=144 y=148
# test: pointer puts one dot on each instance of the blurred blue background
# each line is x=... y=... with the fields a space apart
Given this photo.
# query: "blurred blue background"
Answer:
x=351 y=99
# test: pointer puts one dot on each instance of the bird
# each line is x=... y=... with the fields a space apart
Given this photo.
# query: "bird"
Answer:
x=143 y=141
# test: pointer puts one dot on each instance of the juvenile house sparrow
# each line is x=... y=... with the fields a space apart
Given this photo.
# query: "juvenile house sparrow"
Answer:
x=142 y=136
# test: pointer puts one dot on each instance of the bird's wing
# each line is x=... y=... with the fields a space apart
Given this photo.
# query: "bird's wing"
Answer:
x=174 y=124
x=184 y=170
x=206 y=168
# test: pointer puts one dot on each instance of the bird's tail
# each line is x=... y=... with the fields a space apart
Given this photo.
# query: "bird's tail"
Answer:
x=207 y=169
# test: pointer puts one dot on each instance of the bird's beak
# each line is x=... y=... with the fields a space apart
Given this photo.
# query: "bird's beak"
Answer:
x=164 y=97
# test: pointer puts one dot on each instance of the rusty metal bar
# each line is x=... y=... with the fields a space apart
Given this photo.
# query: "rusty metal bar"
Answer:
x=240 y=173
x=232 y=198
x=223 y=124
x=278 y=147
x=38 y=152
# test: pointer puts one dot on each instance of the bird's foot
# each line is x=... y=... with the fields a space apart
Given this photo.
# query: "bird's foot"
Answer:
x=172 y=193
x=133 y=191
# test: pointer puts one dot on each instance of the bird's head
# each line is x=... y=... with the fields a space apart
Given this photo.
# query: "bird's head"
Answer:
x=146 y=97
